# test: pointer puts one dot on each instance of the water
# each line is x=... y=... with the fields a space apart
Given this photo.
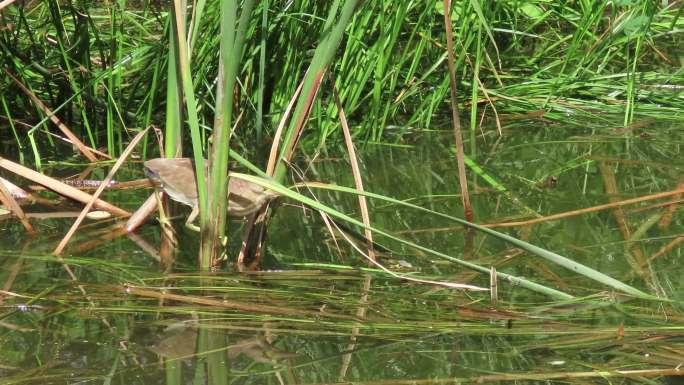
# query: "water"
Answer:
x=315 y=317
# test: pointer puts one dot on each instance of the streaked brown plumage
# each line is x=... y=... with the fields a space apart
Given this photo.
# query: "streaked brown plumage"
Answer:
x=176 y=177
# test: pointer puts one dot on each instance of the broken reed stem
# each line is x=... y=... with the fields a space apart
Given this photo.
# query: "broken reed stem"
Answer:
x=358 y=181
x=59 y=187
x=39 y=103
x=103 y=185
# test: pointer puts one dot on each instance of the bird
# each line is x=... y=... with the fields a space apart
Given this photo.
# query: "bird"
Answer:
x=176 y=178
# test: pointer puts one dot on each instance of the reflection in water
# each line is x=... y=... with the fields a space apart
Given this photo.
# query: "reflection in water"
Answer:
x=176 y=343
x=179 y=341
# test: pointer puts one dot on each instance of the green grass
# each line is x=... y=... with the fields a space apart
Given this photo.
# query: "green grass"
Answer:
x=105 y=68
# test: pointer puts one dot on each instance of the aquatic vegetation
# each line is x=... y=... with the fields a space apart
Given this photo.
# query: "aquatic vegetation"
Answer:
x=568 y=269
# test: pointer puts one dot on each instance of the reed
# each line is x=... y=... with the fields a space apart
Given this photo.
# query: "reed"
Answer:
x=563 y=58
x=102 y=71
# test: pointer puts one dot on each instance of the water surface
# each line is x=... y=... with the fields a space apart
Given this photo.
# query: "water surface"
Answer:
x=314 y=316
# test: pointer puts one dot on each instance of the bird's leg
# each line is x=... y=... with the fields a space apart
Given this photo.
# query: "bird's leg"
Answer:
x=164 y=221
x=249 y=229
x=191 y=218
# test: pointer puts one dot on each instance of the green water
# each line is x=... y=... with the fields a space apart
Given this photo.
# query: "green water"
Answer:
x=315 y=317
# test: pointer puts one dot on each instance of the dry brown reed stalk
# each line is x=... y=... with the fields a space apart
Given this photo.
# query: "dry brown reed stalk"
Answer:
x=11 y=204
x=491 y=104
x=103 y=185
x=327 y=222
x=12 y=274
x=574 y=213
x=138 y=216
x=670 y=245
x=91 y=185
x=358 y=181
x=73 y=138
x=355 y=331
x=610 y=186
x=490 y=101
x=666 y=219
x=272 y=157
x=54 y=215
x=455 y=116
x=144 y=211
x=365 y=217
x=59 y=187
x=302 y=118
x=656 y=206
x=93 y=150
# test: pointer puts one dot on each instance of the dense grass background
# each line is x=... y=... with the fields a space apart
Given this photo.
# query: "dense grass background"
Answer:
x=102 y=66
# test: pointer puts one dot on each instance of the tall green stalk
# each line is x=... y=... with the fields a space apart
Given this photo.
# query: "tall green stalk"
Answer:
x=174 y=95
x=191 y=105
x=231 y=47
x=262 y=71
